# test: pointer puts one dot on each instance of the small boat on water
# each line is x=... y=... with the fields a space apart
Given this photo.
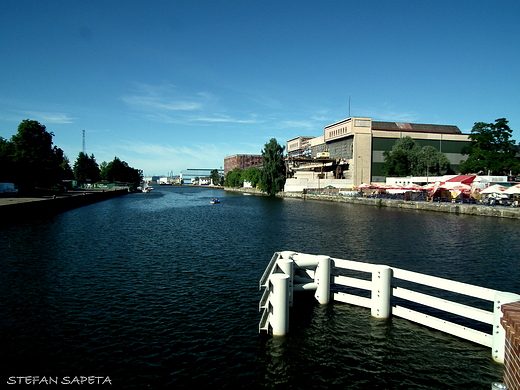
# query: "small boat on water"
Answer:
x=214 y=201
x=145 y=188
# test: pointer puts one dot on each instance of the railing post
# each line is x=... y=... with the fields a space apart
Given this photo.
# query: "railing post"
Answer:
x=499 y=333
x=287 y=267
x=287 y=255
x=381 y=291
x=279 y=304
x=322 y=278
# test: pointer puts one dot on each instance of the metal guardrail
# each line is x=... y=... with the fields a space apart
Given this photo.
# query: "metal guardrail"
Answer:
x=378 y=287
x=494 y=338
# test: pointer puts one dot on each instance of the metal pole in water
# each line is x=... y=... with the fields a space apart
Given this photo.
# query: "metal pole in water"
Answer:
x=322 y=278
x=280 y=304
x=381 y=292
x=287 y=267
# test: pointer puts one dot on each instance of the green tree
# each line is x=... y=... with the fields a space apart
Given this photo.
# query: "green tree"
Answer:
x=252 y=176
x=433 y=163
x=403 y=159
x=272 y=177
x=234 y=178
x=103 y=170
x=407 y=158
x=7 y=171
x=86 y=169
x=491 y=149
x=37 y=163
x=68 y=174
x=118 y=171
x=215 y=177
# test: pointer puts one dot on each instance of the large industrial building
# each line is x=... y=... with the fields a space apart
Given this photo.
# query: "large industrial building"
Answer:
x=351 y=151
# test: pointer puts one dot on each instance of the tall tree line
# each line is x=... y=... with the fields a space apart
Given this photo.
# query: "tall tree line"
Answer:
x=32 y=162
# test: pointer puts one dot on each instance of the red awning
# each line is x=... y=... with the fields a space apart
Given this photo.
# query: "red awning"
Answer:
x=465 y=179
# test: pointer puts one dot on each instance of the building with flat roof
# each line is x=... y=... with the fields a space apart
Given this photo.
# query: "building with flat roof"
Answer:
x=351 y=150
x=241 y=161
x=299 y=147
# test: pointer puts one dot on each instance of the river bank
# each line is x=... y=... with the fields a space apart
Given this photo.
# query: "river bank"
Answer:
x=444 y=207
x=17 y=209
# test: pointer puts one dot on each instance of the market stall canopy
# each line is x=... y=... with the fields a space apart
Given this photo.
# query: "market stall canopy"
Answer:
x=413 y=186
x=494 y=189
x=365 y=185
x=386 y=186
x=464 y=179
x=513 y=190
x=452 y=185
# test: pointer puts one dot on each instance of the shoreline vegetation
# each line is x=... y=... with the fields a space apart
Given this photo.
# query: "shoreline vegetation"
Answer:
x=444 y=207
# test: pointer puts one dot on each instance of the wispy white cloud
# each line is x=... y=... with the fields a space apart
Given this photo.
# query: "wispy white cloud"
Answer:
x=164 y=98
x=320 y=118
x=388 y=113
x=148 y=149
x=160 y=103
x=156 y=158
x=49 y=117
x=223 y=119
x=297 y=124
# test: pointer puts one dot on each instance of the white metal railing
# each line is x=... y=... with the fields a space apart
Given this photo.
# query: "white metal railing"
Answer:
x=378 y=287
x=286 y=273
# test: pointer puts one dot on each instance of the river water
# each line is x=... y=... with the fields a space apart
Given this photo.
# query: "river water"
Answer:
x=161 y=290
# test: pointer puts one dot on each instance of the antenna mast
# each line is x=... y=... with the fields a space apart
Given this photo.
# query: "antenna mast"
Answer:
x=84 y=148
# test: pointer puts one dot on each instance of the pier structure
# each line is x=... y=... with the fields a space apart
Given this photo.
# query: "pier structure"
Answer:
x=438 y=303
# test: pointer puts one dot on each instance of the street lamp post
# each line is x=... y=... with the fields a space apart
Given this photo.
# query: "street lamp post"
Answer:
x=361 y=169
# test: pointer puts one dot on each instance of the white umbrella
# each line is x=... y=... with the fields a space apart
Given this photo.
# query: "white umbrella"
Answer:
x=494 y=189
x=513 y=190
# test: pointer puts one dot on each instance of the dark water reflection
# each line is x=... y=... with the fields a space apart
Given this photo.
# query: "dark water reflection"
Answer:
x=160 y=289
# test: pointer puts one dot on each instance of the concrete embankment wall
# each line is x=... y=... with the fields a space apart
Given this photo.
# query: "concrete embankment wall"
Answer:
x=458 y=208
x=245 y=190
x=446 y=207
x=14 y=210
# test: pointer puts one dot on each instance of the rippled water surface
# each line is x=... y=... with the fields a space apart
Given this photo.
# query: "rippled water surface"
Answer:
x=161 y=289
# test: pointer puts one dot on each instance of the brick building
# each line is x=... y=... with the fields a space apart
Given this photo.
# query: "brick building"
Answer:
x=241 y=161
x=511 y=323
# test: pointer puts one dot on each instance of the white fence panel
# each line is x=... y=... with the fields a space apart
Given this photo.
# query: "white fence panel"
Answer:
x=445 y=284
x=352 y=299
x=444 y=326
x=381 y=301
x=445 y=305
x=353 y=282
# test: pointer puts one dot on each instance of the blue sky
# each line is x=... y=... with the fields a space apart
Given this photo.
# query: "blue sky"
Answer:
x=172 y=85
